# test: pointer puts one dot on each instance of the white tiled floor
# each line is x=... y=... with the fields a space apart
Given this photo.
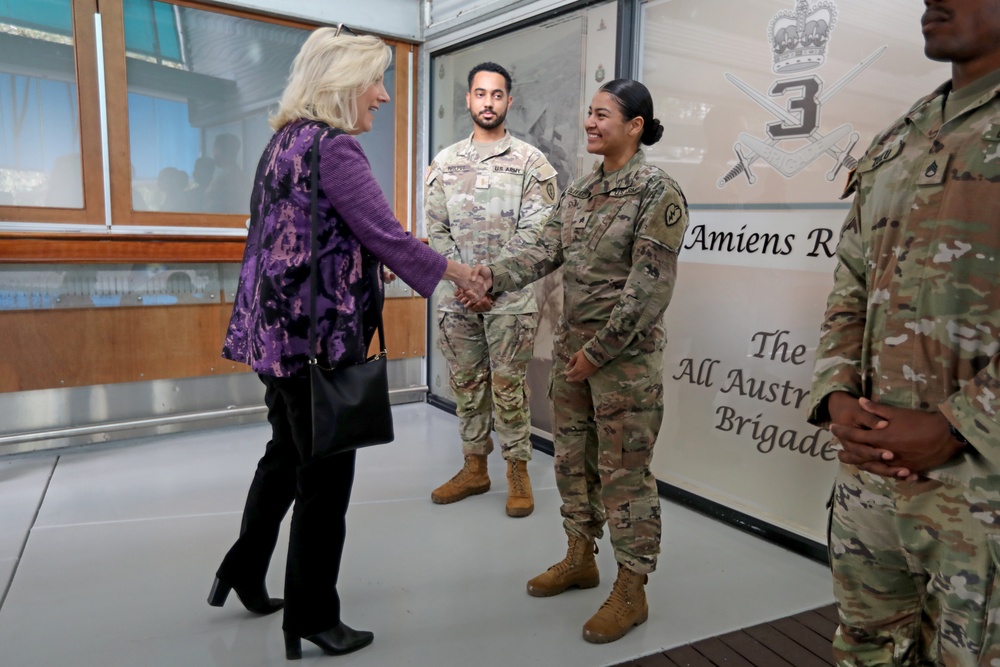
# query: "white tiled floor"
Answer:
x=115 y=568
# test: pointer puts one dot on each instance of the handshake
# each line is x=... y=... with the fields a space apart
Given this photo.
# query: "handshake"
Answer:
x=472 y=284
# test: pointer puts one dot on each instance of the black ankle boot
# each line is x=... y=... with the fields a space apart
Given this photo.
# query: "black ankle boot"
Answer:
x=255 y=601
x=338 y=640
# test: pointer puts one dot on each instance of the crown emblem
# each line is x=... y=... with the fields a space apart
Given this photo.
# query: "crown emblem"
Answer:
x=799 y=38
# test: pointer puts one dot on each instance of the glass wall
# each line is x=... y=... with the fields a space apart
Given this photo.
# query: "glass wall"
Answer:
x=767 y=105
x=556 y=67
x=201 y=86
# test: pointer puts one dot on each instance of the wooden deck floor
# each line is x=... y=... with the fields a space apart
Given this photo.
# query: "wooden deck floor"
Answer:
x=802 y=640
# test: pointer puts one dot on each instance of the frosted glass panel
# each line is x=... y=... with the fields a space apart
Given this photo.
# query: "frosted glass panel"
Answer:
x=754 y=115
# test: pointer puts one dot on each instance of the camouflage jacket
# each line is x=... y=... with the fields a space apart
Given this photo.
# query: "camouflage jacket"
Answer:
x=914 y=316
x=481 y=208
x=618 y=235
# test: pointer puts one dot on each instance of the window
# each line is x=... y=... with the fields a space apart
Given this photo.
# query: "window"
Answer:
x=43 y=125
x=187 y=92
x=200 y=86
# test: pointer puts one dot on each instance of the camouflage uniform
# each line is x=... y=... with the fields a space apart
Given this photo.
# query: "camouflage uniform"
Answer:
x=618 y=236
x=912 y=321
x=481 y=208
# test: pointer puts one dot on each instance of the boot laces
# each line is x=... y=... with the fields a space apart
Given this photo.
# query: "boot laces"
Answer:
x=516 y=481
x=562 y=566
x=572 y=559
x=618 y=601
x=464 y=474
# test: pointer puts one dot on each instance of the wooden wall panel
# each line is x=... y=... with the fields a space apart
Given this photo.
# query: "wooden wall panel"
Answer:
x=46 y=349
x=405 y=323
x=10 y=372
x=403 y=159
x=21 y=247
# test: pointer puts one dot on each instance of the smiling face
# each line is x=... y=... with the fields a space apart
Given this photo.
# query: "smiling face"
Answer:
x=965 y=33
x=366 y=105
x=488 y=100
x=608 y=132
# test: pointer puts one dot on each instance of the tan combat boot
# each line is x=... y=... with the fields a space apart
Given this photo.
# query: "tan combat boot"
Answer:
x=625 y=607
x=520 y=501
x=578 y=568
x=472 y=479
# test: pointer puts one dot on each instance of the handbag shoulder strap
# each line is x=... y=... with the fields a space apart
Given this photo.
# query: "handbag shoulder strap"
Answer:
x=314 y=251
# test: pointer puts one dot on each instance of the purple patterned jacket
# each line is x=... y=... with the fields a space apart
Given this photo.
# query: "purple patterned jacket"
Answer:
x=269 y=328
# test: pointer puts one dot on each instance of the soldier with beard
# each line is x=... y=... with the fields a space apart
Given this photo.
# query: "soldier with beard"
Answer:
x=486 y=198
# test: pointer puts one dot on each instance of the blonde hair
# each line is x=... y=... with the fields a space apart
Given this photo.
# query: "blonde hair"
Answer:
x=327 y=76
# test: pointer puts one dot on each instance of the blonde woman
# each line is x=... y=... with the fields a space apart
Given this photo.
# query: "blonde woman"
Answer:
x=335 y=89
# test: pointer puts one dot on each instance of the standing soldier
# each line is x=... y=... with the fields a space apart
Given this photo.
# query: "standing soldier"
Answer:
x=486 y=198
x=617 y=232
x=908 y=369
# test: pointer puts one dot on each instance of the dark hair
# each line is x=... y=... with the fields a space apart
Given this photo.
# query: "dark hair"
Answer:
x=634 y=100
x=491 y=67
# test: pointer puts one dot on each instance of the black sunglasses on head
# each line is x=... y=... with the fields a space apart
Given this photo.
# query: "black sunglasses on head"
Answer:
x=343 y=28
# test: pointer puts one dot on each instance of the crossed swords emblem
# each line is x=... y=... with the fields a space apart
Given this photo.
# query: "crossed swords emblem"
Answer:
x=749 y=148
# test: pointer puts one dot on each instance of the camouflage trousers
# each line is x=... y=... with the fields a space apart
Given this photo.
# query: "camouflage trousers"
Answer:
x=604 y=429
x=487 y=359
x=915 y=574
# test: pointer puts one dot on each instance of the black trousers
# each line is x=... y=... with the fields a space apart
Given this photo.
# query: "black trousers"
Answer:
x=320 y=490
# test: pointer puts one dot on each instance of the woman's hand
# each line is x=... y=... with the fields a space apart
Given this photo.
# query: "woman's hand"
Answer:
x=462 y=277
x=479 y=282
x=485 y=275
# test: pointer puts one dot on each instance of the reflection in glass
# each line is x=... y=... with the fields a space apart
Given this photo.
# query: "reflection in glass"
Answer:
x=39 y=112
x=550 y=64
x=544 y=62
x=380 y=143
x=61 y=286
x=201 y=87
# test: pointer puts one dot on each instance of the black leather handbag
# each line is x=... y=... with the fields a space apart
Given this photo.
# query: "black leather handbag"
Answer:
x=350 y=405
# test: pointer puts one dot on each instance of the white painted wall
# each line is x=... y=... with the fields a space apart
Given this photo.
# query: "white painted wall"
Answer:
x=392 y=18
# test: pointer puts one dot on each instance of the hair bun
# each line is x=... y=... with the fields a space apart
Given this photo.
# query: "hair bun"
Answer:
x=652 y=132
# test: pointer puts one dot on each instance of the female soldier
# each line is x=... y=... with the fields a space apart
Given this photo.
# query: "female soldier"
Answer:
x=617 y=231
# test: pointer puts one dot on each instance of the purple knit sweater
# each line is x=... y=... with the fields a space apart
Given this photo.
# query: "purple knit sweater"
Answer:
x=269 y=328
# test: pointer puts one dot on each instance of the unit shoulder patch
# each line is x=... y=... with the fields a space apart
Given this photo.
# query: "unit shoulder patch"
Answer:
x=667 y=222
x=546 y=177
x=432 y=173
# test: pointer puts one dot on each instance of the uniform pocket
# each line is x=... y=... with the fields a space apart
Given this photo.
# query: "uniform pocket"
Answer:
x=644 y=509
x=612 y=237
x=989 y=641
x=444 y=344
x=628 y=420
x=524 y=346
